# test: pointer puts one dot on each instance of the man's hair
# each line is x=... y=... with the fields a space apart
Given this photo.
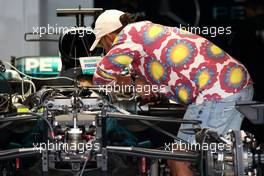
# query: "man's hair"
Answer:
x=88 y=78
x=125 y=19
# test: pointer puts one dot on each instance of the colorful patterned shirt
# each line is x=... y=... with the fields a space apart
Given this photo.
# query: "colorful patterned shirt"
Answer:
x=192 y=68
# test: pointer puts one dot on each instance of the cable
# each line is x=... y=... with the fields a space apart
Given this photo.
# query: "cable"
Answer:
x=28 y=113
x=23 y=87
x=198 y=12
x=201 y=159
x=32 y=84
x=140 y=108
x=84 y=165
x=150 y=125
x=153 y=153
x=84 y=45
x=153 y=118
x=8 y=84
x=11 y=119
x=3 y=102
x=41 y=79
x=23 y=81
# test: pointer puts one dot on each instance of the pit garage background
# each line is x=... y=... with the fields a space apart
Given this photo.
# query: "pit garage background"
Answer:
x=244 y=17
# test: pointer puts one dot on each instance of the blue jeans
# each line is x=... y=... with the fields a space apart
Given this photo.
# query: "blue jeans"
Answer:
x=220 y=116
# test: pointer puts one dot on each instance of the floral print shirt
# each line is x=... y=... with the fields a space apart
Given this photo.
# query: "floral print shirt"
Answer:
x=192 y=68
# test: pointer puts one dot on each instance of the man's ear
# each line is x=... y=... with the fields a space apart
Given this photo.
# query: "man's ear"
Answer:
x=108 y=41
x=112 y=36
x=108 y=38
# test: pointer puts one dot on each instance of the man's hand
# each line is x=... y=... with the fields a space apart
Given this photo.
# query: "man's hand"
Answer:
x=124 y=80
x=147 y=96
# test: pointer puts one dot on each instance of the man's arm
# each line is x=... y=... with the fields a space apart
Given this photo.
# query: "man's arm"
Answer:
x=109 y=69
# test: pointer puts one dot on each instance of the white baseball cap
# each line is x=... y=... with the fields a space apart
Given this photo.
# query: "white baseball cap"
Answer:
x=106 y=23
